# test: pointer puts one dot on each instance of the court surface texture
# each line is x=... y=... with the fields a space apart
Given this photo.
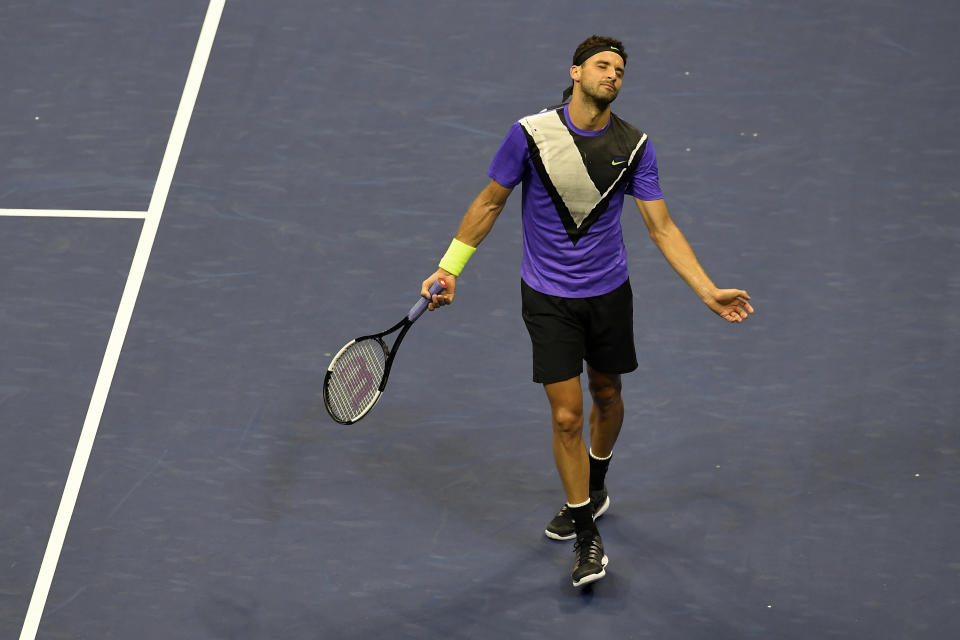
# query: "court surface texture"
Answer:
x=200 y=203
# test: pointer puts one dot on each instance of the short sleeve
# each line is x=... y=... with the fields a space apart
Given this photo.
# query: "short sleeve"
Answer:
x=510 y=162
x=646 y=179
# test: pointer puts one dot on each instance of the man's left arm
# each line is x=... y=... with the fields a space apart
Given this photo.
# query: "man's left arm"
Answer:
x=730 y=304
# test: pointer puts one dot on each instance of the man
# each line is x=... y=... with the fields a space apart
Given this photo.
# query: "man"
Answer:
x=577 y=162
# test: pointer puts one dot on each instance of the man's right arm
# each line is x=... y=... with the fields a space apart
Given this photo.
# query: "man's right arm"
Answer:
x=476 y=224
x=483 y=212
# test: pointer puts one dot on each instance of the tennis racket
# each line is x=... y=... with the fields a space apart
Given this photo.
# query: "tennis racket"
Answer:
x=358 y=374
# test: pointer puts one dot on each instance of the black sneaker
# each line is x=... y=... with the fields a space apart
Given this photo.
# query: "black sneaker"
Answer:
x=591 y=560
x=561 y=527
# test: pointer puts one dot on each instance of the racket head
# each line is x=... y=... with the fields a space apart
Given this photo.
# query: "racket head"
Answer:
x=354 y=380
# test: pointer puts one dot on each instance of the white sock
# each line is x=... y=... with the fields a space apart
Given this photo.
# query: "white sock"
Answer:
x=596 y=457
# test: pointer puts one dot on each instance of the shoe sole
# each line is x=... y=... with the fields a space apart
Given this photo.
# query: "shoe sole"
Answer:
x=556 y=536
x=593 y=577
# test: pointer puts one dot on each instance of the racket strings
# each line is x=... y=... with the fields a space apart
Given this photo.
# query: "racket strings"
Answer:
x=355 y=379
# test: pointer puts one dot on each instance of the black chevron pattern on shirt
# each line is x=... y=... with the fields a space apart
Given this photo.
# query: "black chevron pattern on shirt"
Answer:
x=581 y=173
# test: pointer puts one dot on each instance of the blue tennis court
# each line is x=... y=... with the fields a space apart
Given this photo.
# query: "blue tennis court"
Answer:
x=197 y=209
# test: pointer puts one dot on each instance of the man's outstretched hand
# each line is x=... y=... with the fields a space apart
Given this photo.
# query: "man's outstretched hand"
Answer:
x=733 y=305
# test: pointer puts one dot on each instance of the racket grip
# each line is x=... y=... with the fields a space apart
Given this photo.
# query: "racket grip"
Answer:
x=417 y=310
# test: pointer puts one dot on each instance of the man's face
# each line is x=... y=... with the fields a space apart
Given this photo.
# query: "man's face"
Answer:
x=600 y=76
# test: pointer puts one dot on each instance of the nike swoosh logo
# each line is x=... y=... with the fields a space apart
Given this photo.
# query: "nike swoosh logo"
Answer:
x=616 y=162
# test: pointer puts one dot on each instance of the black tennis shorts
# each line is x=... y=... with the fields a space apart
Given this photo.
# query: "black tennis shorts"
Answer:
x=566 y=331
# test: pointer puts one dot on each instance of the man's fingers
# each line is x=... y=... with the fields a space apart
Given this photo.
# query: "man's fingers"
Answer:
x=439 y=300
x=425 y=289
x=737 y=312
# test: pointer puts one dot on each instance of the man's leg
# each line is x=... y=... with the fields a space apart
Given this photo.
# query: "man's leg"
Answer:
x=606 y=419
x=569 y=452
x=606 y=414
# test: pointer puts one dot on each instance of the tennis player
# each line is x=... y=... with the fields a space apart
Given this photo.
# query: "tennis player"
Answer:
x=576 y=162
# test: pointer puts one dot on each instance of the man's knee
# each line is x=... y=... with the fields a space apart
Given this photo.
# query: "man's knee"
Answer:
x=605 y=390
x=568 y=420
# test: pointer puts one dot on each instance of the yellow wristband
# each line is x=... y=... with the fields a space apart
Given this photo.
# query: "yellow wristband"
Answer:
x=455 y=259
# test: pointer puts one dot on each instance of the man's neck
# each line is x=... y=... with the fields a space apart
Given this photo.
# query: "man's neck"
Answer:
x=586 y=114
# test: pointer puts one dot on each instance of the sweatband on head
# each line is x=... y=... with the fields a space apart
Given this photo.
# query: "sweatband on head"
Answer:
x=589 y=53
x=455 y=259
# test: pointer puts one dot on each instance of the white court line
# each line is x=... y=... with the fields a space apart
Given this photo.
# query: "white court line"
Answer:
x=130 y=291
x=72 y=213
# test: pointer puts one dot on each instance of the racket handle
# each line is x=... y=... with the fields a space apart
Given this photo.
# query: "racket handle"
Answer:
x=417 y=310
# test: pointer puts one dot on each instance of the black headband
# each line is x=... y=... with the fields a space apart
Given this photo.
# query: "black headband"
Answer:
x=589 y=53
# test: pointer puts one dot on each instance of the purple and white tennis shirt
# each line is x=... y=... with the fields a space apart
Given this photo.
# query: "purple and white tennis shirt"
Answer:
x=574 y=182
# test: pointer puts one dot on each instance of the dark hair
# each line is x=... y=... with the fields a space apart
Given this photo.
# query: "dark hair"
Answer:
x=594 y=44
x=599 y=41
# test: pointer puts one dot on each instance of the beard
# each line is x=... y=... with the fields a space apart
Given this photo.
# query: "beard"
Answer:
x=599 y=95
